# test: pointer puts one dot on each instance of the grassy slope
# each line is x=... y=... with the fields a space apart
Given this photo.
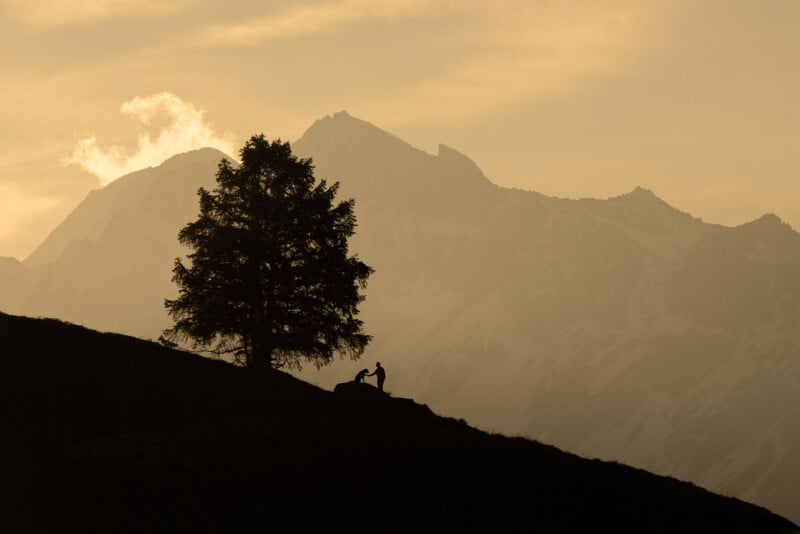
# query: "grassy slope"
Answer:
x=111 y=433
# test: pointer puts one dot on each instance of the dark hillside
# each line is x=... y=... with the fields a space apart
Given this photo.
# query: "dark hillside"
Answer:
x=108 y=433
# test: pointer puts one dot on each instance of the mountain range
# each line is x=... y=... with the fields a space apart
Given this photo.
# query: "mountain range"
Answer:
x=621 y=329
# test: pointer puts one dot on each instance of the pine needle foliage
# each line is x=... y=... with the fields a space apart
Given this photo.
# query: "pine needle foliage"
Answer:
x=270 y=281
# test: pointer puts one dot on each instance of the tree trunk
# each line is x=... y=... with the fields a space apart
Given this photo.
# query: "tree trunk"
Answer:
x=261 y=356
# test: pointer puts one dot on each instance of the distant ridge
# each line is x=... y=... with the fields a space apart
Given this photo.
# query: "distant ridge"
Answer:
x=639 y=195
x=769 y=221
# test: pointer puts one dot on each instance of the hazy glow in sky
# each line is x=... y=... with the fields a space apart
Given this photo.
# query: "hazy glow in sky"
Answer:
x=68 y=12
x=696 y=100
x=310 y=18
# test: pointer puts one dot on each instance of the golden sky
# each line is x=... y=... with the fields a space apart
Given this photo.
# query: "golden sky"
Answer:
x=696 y=100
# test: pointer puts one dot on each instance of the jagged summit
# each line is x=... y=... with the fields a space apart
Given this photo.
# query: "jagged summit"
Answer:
x=641 y=192
x=639 y=195
x=644 y=201
x=770 y=228
x=766 y=237
x=349 y=129
x=413 y=174
x=768 y=221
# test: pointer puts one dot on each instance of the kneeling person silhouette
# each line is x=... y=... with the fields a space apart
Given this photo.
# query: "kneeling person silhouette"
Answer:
x=359 y=379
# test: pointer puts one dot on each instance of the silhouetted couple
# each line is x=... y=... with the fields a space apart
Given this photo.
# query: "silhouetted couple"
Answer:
x=379 y=372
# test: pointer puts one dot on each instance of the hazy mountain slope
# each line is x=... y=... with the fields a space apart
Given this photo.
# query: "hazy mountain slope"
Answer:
x=620 y=328
x=109 y=263
x=114 y=434
x=10 y=270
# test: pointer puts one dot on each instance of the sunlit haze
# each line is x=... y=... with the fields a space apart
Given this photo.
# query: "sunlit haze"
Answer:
x=694 y=100
x=578 y=220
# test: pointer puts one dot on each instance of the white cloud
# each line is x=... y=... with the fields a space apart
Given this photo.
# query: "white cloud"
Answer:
x=185 y=129
x=67 y=12
x=308 y=19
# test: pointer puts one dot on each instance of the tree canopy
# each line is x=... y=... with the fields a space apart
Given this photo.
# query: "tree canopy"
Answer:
x=270 y=281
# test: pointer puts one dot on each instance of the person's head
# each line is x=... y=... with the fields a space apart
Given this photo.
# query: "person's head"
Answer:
x=377 y=364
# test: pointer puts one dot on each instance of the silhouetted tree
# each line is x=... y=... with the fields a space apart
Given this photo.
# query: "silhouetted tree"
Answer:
x=270 y=280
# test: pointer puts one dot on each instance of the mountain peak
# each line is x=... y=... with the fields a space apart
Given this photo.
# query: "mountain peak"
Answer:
x=641 y=197
x=767 y=224
x=641 y=194
x=768 y=220
x=338 y=120
x=638 y=190
x=340 y=143
x=194 y=156
x=342 y=115
x=343 y=128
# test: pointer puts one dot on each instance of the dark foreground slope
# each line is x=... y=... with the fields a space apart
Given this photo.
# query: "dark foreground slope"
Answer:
x=103 y=432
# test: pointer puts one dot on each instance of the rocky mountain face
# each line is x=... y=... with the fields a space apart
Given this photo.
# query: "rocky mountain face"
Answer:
x=621 y=329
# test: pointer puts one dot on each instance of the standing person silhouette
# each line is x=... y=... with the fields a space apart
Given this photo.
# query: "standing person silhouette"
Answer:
x=379 y=372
